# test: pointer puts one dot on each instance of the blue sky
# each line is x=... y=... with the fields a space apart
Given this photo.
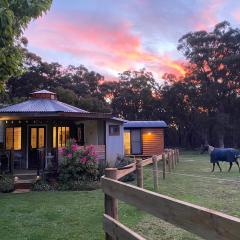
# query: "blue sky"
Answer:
x=110 y=36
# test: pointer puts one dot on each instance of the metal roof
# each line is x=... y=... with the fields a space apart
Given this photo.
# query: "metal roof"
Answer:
x=145 y=124
x=43 y=91
x=119 y=119
x=41 y=105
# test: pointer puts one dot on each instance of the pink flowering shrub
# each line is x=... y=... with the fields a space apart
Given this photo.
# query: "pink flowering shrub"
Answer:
x=78 y=164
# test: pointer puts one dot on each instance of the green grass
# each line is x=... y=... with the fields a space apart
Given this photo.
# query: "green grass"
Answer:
x=78 y=215
x=207 y=189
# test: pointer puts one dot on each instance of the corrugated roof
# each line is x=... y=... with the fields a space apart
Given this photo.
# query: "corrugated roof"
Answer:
x=41 y=105
x=119 y=119
x=145 y=124
x=43 y=91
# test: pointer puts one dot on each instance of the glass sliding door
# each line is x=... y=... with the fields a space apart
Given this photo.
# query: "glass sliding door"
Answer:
x=136 y=146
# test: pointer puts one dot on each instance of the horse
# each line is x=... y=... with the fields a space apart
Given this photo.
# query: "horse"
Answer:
x=222 y=155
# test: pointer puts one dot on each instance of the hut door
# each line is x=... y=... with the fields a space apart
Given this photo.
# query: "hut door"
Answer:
x=136 y=141
x=36 y=142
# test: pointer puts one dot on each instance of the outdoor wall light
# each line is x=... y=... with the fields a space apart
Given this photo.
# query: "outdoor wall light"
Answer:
x=149 y=133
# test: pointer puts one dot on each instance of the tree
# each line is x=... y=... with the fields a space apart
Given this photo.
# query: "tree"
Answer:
x=215 y=68
x=15 y=15
x=74 y=85
x=133 y=96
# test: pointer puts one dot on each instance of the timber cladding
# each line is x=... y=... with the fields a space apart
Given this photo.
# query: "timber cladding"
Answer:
x=152 y=141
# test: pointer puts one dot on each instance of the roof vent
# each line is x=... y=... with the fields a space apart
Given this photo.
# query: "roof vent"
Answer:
x=43 y=94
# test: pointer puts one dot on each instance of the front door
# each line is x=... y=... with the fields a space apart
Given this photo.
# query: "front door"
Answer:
x=36 y=143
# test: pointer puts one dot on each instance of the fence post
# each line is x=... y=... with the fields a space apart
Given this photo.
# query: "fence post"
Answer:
x=178 y=155
x=164 y=165
x=169 y=161
x=139 y=170
x=111 y=204
x=172 y=159
x=11 y=161
x=155 y=173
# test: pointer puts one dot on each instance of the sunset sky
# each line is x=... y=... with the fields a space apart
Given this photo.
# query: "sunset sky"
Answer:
x=110 y=36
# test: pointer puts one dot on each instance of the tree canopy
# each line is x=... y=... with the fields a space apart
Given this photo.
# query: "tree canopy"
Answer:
x=15 y=15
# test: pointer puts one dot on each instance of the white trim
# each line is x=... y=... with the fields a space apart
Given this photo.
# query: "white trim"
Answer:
x=27 y=148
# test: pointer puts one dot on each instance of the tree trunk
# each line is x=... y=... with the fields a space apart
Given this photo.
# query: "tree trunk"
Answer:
x=221 y=140
x=205 y=138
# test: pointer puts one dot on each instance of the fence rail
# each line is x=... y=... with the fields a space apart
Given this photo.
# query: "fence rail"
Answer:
x=170 y=158
x=206 y=223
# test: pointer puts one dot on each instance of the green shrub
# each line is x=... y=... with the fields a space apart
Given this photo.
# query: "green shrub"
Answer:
x=122 y=162
x=41 y=186
x=6 y=183
x=78 y=165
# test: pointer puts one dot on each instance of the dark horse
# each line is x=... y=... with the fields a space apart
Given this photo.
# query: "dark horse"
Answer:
x=222 y=155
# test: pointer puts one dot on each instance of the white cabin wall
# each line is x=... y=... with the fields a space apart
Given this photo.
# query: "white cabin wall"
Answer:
x=101 y=132
x=114 y=144
x=90 y=131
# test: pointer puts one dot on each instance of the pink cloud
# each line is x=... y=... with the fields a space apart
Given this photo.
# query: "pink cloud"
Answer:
x=236 y=15
x=114 y=47
x=208 y=17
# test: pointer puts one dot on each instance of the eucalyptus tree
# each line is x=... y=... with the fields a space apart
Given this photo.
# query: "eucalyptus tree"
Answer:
x=15 y=15
x=215 y=62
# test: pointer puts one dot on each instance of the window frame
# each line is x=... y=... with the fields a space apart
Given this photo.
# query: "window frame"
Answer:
x=55 y=136
x=13 y=138
x=114 y=133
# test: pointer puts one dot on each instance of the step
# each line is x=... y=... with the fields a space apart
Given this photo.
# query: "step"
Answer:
x=24 y=184
x=26 y=176
x=21 y=191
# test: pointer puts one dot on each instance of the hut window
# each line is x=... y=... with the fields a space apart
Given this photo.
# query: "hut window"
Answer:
x=114 y=130
x=13 y=138
x=41 y=138
x=127 y=142
x=60 y=136
x=33 y=138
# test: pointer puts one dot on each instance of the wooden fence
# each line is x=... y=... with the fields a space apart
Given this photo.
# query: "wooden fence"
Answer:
x=169 y=159
x=206 y=223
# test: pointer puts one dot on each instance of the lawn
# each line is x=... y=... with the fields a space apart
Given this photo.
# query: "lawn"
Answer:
x=78 y=215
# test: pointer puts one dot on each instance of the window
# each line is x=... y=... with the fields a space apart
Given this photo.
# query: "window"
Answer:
x=114 y=130
x=37 y=137
x=127 y=142
x=60 y=136
x=33 y=138
x=13 y=138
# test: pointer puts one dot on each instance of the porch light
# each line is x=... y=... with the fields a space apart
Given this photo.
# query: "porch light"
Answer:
x=38 y=178
x=149 y=133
